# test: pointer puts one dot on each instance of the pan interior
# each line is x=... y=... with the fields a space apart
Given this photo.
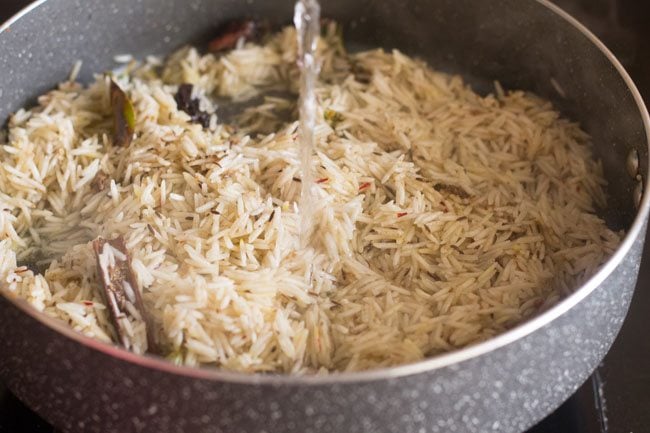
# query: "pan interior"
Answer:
x=522 y=44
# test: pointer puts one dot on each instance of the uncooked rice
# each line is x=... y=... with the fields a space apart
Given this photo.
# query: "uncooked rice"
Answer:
x=444 y=217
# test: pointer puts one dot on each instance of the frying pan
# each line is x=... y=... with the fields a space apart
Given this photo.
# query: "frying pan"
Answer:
x=505 y=384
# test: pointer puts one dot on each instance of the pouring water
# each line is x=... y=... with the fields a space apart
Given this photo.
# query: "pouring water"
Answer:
x=307 y=22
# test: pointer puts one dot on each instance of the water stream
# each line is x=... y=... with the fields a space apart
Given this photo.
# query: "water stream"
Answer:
x=307 y=21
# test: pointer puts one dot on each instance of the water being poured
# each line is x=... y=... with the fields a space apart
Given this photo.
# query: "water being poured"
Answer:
x=307 y=21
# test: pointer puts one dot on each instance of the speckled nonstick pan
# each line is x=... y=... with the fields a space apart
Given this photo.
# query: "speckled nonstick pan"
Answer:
x=503 y=385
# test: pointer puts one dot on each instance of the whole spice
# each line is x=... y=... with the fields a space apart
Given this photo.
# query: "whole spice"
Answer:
x=123 y=116
x=231 y=32
x=191 y=106
x=119 y=288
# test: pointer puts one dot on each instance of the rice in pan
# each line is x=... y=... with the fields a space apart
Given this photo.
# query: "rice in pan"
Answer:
x=444 y=217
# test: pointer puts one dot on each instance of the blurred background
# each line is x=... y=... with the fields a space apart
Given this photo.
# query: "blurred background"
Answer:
x=617 y=397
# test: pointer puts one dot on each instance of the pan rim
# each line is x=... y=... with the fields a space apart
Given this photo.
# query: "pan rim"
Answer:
x=426 y=365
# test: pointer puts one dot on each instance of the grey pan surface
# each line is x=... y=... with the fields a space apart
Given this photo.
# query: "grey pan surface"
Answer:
x=505 y=384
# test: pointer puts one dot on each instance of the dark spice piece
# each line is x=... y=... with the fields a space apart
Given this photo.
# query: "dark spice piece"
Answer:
x=361 y=73
x=451 y=189
x=231 y=32
x=120 y=288
x=31 y=265
x=100 y=181
x=185 y=102
x=515 y=235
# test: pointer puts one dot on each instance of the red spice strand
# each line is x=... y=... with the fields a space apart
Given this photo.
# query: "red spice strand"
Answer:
x=364 y=186
x=322 y=179
x=401 y=214
x=89 y=303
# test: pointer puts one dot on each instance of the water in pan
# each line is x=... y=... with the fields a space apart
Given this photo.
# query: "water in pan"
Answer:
x=445 y=195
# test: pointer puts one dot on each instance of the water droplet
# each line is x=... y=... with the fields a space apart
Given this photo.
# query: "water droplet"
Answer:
x=632 y=163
